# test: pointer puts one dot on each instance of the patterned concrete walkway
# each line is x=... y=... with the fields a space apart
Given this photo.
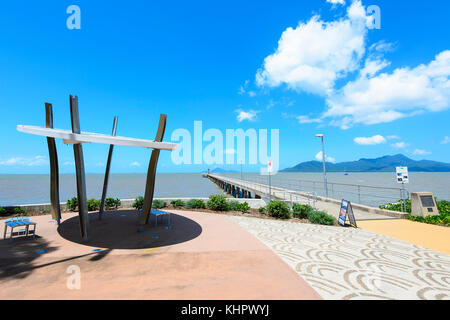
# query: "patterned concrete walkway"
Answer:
x=348 y=263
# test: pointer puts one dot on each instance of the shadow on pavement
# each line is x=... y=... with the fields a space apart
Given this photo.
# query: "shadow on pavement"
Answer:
x=17 y=256
x=119 y=230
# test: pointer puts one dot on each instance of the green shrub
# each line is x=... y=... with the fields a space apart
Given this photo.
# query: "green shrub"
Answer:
x=244 y=207
x=20 y=211
x=278 y=209
x=262 y=210
x=93 y=204
x=177 y=203
x=2 y=211
x=111 y=203
x=72 y=204
x=320 y=217
x=397 y=206
x=301 y=211
x=446 y=220
x=158 y=204
x=195 y=204
x=217 y=202
x=442 y=205
x=233 y=205
x=138 y=202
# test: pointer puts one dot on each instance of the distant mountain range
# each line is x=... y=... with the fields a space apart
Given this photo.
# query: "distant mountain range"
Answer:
x=382 y=164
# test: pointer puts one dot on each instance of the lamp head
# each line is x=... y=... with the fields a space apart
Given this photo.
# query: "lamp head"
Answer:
x=319 y=135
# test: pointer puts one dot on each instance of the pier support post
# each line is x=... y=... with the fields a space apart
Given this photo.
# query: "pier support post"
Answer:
x=79 y=168
x=238 y=193
x=257 y=196
x=55 y=208
x=151 y=173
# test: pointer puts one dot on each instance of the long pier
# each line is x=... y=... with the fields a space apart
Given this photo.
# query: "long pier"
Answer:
x=248 y=189
x=238 y=188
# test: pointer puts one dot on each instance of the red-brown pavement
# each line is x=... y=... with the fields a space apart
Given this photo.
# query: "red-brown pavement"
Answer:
x=203 y=256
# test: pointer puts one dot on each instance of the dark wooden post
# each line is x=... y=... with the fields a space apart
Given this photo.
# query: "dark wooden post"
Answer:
x=79 y=168
x=151 y=173
x=55 y=209
x=108 y=166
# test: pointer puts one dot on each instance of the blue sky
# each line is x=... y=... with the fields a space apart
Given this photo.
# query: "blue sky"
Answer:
x=303 y=67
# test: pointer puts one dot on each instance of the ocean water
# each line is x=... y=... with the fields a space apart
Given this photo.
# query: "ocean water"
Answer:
x=32 y=189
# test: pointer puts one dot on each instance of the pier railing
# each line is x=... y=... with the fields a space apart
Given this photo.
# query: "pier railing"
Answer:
x=357 y=193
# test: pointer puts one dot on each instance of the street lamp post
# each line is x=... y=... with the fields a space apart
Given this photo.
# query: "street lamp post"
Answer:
x=241 y=170
x=325 y=187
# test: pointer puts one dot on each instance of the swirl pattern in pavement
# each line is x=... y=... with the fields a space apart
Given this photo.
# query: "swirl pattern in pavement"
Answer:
x=348 y=263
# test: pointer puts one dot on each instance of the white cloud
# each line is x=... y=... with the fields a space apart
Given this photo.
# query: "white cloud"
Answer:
x=342 y=2
x=371 y=67
x=319 y=157
x=381 y=46
x=386 y=97
x=315 y=54
x=306 y=119
x=312 y=56
x=400 y=145
x=28 y=162
x=135 y=164
x=393 y=137
x=270 y=105
x=368 y=141
x=446 y=140
x=243 y=90
x=68 y=163
x=421 y=152
x=246 y=115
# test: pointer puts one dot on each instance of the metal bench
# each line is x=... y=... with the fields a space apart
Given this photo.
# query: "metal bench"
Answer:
x=19 y=222
x=158 y=213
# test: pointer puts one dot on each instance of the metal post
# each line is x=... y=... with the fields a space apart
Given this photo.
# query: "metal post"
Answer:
x=402 y=192
x=241 y=170
x=270 y=188
x=108 y=166
x=79 y=168
x=54 y=171
x=325 y=186
x=151 y=173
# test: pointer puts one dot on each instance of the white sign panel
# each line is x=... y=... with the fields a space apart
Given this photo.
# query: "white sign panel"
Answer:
x=402 y=174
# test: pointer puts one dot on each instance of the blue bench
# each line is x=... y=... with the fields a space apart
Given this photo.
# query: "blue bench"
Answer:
x=158 y=213
x=19 y=222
